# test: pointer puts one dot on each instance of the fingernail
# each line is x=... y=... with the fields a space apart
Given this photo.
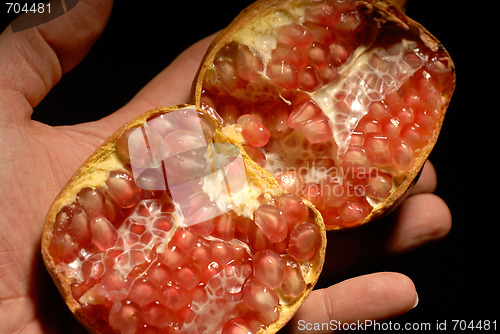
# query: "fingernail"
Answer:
x=416 y=301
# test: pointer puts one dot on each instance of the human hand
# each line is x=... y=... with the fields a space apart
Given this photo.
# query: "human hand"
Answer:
x=37 y=160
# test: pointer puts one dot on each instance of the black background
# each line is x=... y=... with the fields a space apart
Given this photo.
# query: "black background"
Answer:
x=456 y=278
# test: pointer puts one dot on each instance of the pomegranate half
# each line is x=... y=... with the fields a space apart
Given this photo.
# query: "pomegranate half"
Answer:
x=169 y=227
x=340 y=100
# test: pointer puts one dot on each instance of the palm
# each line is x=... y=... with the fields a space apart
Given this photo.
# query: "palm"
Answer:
x=37 y=160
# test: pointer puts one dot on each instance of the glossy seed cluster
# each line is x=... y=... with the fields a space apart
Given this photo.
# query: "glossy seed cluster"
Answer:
x=337 y=111
x=138 y=261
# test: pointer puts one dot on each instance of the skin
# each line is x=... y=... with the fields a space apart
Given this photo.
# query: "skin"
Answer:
x=37 y=160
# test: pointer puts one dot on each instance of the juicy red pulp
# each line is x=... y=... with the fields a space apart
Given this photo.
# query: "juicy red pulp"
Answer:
x=339 y=111
x=134 y=266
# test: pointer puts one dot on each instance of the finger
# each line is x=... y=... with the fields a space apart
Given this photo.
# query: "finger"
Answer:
x=427 y=181
x=32 y=61
x=420 y=219
x=371 y=297
x=170 y=87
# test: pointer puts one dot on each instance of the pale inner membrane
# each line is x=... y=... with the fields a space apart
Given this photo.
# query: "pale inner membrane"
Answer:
x=369 y=77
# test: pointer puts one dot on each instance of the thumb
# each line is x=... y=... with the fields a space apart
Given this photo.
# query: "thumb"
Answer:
x=32 y=61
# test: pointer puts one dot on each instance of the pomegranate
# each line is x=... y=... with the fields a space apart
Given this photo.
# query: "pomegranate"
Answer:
x=210 y=218
x=170 y=227
x=340 y=100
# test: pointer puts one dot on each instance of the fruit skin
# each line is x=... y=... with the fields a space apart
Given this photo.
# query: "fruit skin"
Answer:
x=94 y=172
x=383 y=12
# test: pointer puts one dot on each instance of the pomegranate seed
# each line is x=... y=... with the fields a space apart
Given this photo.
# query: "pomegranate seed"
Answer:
x=377 y=149
x=248 y=65
x=323 y=12
x=291 y=54
x=328 y=74
x=318 y=131
x=157 y=315
x=295 y=210
x=184 y=239
x=318 y=55
x=159 y=274
x=271 y=220
x=413 y=134
x=295 y=35
x=91 y=200
x=313 y=193
x=304 y=240
x=229 y=113
x=79 y=228
x=293 y=283
x=269 y=317
x=189 y=276
x=224 y=227
x=308 y=79
x=63 y=220
x=339 y=53
x=355 y=161
x=92 y=269
x=403 y=113
x=176 y=297
x=322 y=34
x=258 y=239
x=63 y=248
x=368 y=124
x=254 y=132
x=402 y=155
x=173 y=257
x=335 y=194
x=304 y=112
x=122 y=189
x=259 y=297
x=143 y=291
x=277 y=119
x=390 y=127
x=237 y=326
x=124 y=317
x=379 y=186
x=201 y=254
x=354 y=211
x=350 y=21
x=283 y=73
x=212 y=269
x=145 y=148
x=290 y=182
x=227 y=74
x=104 y=234
x=268 y=268
x=426 y=119
x=223 y=252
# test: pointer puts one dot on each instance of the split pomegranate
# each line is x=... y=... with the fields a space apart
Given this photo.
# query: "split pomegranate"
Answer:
x=210 y=218
x=346 y=99
x=171 y=228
